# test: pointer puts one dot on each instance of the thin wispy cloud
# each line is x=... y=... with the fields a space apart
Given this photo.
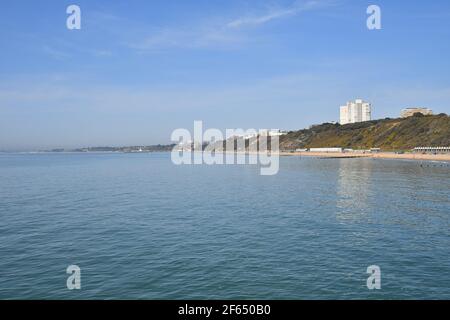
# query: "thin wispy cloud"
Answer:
x=189 y=38
x=276 y=13
x=222 y=33
x=63 y=50
x=55 y=53
x=101 y=53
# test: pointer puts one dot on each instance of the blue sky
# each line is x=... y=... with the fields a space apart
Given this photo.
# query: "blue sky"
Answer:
x=137 y=70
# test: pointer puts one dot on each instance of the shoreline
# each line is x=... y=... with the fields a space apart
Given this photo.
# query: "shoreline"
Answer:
x=330 y=155
x=380 y=155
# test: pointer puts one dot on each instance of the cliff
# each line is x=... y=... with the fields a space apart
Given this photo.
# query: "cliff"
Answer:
x=387 y=134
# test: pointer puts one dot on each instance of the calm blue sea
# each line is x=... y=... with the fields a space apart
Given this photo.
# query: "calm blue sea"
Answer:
x=140 y=227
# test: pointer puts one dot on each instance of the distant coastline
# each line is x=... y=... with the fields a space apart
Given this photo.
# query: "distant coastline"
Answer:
x=394 y=139
x=126 y=149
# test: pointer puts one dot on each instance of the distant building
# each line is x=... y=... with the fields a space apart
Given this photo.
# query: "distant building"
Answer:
x=272 y=132
x=325 y=149
x=261 y=132
x=409 y=112
x=355 y=111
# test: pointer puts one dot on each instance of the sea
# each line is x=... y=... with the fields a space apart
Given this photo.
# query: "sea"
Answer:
x=139 y=227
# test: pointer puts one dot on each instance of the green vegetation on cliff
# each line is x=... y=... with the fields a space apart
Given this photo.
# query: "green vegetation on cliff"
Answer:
x=387 y=134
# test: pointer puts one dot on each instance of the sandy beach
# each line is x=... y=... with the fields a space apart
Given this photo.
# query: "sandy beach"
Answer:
x=381 y=155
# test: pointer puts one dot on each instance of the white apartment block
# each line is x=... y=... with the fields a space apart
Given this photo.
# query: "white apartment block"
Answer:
x=355 y=111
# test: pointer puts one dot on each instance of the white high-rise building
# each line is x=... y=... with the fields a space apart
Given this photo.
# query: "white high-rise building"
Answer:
x=355 y=111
